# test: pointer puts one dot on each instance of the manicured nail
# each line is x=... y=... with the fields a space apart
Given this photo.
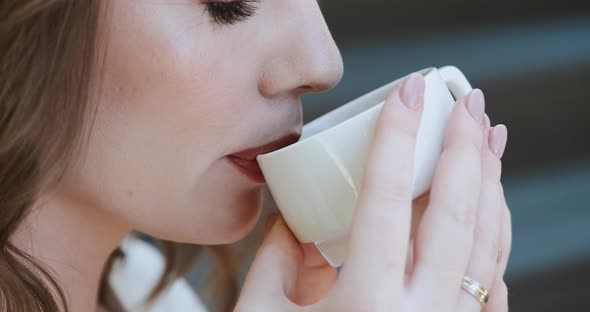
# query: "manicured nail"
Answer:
x=412 y=91
x=476 y=105
x=497 y=140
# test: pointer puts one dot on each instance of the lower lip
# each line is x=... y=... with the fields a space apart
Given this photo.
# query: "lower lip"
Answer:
x=249 y=168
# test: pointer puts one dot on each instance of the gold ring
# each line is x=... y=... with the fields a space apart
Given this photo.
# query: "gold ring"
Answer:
x=475 y=289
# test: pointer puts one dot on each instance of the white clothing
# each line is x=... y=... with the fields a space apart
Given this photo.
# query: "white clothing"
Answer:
x=133 y=277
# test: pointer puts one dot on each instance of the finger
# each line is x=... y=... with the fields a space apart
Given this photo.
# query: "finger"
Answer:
x=269 y=223
x=418 y=208
x=505 y=238
x=498 y=294
x=483 y=264
x=281 y=254
x=445 y=236
x=498 y=298
x=380 y=231
x=315 y=277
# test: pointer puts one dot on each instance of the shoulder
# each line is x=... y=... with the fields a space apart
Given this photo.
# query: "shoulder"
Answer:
x=133 y=277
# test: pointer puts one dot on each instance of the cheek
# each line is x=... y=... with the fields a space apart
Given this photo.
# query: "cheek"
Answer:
x=167 y=114
x=161 y=79
x=218 y=206
x=158 y=167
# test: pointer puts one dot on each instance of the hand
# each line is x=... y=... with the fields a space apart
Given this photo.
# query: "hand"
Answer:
x=464 y=225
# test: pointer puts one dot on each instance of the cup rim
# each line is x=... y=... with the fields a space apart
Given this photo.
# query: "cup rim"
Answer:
x=341 y=108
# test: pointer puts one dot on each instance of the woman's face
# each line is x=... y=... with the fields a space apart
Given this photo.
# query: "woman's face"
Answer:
x=182 y=90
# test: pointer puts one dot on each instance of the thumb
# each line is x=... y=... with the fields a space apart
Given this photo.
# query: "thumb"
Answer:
x=273 y=273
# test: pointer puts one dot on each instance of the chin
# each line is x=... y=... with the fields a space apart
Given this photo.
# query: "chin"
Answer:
x=221 y=208
x=240 y=218
x=219 y=220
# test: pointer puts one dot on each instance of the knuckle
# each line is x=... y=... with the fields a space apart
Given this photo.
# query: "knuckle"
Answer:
x=393 y=193
x=402 y=126
x=499 y=297
x=442 y=270
x=491 y=200
x=491 y=189
x=502 y=291
x=464 y=141
x=471 y=148
x=462 y=162
x=387 y=186
x=464 y=216
x=492 y=170
x=399 y=134
x=406 y=132
x=498 y=188
x=461 y=213
x=488 y=240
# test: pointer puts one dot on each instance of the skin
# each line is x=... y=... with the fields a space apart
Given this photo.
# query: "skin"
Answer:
x=461 y=225
x=180 y=93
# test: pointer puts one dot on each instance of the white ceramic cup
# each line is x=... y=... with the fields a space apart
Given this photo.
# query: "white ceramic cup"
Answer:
x=316 y=181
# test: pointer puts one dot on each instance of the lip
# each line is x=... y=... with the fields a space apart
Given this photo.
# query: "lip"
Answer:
x=245 y=161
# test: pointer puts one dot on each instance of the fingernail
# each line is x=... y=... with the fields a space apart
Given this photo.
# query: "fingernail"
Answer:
x=270 y=222
x=476 y=105
x=412 y=91
x=498 y=138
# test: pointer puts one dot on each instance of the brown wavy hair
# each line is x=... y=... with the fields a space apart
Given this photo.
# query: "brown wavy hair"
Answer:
x=49 y=64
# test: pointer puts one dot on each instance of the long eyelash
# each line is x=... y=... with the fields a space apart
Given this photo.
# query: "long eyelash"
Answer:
x=231 y=12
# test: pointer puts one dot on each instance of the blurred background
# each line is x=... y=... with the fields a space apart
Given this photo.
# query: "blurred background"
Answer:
x=532 y=60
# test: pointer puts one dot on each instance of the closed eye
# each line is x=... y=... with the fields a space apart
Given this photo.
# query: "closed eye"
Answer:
x=232 y=11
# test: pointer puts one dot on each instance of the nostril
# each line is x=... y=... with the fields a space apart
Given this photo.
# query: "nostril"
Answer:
x=305 y=89
x=314 y=87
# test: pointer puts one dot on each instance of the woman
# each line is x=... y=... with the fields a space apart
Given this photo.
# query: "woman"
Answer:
x=130 y=115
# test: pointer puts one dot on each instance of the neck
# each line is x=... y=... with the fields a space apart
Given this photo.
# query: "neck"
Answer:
x=74 y=241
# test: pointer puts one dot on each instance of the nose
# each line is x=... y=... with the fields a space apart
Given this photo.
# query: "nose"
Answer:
x=306 y=57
